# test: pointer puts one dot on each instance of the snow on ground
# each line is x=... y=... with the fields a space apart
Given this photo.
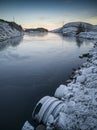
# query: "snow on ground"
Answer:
x=9 y=30
x=87 y=31
x=88 y=35
x=80 y=97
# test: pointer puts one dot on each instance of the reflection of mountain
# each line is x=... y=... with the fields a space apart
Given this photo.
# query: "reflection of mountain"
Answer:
x=79 y=41
x=37 y=34
x=10 y=42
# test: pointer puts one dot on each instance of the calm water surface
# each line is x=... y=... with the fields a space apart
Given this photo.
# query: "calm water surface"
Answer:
x=31 y=68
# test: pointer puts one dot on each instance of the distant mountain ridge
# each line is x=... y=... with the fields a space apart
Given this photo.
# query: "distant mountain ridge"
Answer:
x=36 y=30
x=9 y=30
x=78 y=29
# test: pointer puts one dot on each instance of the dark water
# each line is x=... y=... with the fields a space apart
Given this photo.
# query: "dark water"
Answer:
x=31 y=68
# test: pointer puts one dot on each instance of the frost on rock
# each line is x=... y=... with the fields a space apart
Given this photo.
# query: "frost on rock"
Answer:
x=69 y=31
x=80 y=112
x=74 y=106
x=27 y=126
x=81 y=79
x=61 y=91
x=88 y=35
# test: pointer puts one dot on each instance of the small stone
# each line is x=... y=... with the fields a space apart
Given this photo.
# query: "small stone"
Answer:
x=50 y=120
x=81 y=79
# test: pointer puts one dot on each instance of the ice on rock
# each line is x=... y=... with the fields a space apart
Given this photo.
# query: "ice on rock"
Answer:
x=91 y=77
x=27 y=126
x=69 y=31
x=81 y=79
x=81 y=109
x=95 y=62
x=50 y=120
x=65 y=122
x=61 y=91
x=70 y=107
x=88 y=70
x=88 y=35
x=49 y=128
x=71 y=104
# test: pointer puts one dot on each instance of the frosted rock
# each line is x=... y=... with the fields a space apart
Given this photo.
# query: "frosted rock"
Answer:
x=69 y=31
x=71 y=104
x=91 y=77
x=50 y=120
x=70 y=107
x=92 y=84
x=65 y=122
x=95 y=62
x=69 y=95
x=40 y=127
x=81 y=110
x=49 y=128
x=27 y=126
x=81 y=79
x=88 y=35
x=86 y=64
x=60 y=123
x=88 y=70
x=61 y=91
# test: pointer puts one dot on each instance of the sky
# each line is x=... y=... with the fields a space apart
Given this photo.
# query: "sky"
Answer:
x=49 y=14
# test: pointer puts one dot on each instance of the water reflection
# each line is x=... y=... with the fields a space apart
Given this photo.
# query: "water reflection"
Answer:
x=10 y=42
x=36 y=34
x=35 y=68
x=79 y=41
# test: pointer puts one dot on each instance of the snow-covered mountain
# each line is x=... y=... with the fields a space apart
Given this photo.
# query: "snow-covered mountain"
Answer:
x=79 y=29
x=9 y=30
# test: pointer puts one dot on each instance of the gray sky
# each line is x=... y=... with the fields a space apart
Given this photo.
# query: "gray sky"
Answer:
x=48 y=13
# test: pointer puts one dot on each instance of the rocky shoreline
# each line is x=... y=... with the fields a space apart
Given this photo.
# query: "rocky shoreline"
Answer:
x=80 y=99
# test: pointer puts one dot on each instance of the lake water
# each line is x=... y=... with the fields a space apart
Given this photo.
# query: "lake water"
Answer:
x=32 y=67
